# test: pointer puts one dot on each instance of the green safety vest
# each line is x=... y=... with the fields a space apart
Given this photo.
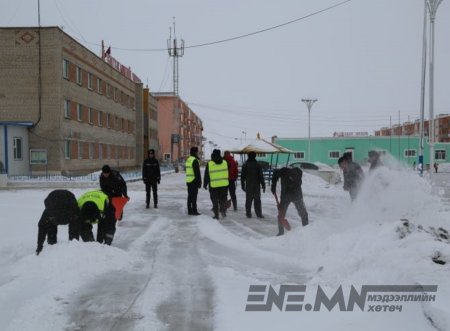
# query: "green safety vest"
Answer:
x=218 y=174
x=190 y=175
x=97 y=197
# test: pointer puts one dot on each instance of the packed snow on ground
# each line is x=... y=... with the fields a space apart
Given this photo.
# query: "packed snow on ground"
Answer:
x=169 y=271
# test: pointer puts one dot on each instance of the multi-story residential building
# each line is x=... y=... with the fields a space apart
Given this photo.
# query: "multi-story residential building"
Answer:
x=441 y=125
x=63 y=109
x=151 y=123
x=179 y=128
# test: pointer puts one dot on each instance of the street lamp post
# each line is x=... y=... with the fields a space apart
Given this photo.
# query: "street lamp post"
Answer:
x=309 y=103
x=432 y=8
x=422 y=89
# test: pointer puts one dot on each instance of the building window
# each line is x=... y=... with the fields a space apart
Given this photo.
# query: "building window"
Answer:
x=91 y=150
x=79 y=75
x=90 y=79
x=108 y=121
x=100 y=151
x=439 y=154
x=67 y=149
x=410 y=153
x=115 y=94
x=80 y=112
x=90 y=111
x=17 y=141
x=299 y=155
x=108 y=93
x=334 y=154
x=67 y=108
x=80 y=150
x=66 y=68
x=108 y=151
x=166 y=157
x=99 y=85
x=100 y=118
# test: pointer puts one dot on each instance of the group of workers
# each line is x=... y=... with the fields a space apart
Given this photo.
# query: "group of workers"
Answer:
x=92 y=207
x=220 y=177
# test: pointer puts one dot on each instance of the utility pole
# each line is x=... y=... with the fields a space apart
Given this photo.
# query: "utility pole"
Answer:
x=422 y=89
x=176 y=50
x=309 y=103
x=432 y=8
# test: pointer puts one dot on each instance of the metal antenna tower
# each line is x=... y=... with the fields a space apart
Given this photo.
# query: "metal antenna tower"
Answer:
x=176 y=50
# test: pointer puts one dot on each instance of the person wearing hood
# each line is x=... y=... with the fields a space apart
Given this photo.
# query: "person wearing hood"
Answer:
x=193 y=181
x=216 y=177
x=232 y=177
x=252 y=180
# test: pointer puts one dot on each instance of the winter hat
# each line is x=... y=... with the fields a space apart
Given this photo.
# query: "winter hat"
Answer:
x=215 y=153
x=151 y=151
x=194 y=150
x=106 y=169
x=251 y=155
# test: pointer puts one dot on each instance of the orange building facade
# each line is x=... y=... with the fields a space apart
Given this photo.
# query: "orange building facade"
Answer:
x=179 y=128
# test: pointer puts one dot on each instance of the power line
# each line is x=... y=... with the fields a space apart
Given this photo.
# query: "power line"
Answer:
x=233 y=38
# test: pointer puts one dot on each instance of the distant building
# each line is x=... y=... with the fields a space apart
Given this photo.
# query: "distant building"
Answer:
x=179 y=128
x=328 y=150
x=63 y=109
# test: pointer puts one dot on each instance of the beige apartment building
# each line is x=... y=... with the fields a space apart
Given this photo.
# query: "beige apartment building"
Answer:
x=179 y=128
x=65 y=110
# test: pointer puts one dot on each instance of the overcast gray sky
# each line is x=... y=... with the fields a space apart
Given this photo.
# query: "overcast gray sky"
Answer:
x=362 y=59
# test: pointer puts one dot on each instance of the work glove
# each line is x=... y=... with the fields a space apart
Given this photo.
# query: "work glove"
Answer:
x=264 y=189
x=128 y=198
x=273 y=190
x=39 y=249
x=205 y=187
x=159 y=180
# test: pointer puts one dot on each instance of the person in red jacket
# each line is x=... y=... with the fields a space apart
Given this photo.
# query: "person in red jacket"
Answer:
x=232 y=176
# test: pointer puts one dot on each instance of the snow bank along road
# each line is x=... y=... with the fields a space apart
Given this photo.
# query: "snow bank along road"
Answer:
x=170 y=271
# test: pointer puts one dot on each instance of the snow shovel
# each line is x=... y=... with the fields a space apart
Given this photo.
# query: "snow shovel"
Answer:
x=119 y=203
x=281 y=217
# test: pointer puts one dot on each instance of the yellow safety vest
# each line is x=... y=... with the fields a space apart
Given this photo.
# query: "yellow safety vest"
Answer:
x=190 y=175
x=97 y=197
x=218 y=174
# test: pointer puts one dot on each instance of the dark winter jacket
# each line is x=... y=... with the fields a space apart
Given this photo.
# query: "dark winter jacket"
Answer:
x=217 y=160
x=62 y=206
x=291 y=181
x=252 y=178
x=151 y=172
x=114 y=185
x=353 y=176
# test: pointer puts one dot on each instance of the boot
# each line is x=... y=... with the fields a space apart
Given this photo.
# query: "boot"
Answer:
x=234 y=202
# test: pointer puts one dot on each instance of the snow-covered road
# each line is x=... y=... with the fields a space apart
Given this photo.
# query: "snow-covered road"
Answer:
x=170 y=271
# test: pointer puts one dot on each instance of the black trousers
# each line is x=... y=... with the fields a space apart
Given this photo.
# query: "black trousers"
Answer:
x=192 y=197
x=232 y=189
x=154 y=188
x=253 y=196
x=299 y=205
x=48 y=228
x=218 y=197
x=106 y=228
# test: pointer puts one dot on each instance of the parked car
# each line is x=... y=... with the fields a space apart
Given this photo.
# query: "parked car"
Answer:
x=327 y=173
